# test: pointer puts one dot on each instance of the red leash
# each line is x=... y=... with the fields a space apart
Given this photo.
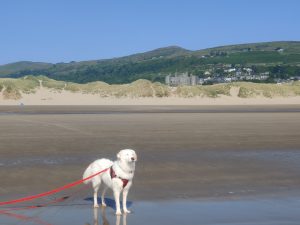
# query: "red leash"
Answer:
x=67 y=186
x=36 y=206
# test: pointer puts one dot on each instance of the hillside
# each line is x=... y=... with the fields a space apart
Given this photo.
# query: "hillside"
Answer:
x=155 y=65
x=13 y=68
x=288 y=46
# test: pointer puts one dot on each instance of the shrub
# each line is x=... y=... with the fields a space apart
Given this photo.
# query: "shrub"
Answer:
x=11 y=93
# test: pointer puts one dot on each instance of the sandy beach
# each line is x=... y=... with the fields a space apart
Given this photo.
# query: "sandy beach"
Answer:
x=184 y=112
x=193 y=160
x=226 y=147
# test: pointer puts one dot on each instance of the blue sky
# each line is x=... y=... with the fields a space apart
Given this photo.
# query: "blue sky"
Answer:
x=66 y=30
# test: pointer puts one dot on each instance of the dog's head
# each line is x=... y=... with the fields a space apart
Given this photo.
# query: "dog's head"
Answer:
x=127 y=155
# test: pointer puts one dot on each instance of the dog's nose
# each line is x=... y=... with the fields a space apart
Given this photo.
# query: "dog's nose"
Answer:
x=132 y=158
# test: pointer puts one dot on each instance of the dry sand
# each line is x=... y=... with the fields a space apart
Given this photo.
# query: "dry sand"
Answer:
x=44 y=96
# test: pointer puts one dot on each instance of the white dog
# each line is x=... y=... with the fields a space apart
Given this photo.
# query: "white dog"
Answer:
x=118 y=177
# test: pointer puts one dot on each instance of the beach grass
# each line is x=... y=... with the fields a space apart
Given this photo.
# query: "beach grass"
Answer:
x=211 y=91
x=248 y=90
x=14 y=88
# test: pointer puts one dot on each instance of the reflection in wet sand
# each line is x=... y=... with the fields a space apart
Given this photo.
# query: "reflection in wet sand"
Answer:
x=24 y=218
x=104 y=218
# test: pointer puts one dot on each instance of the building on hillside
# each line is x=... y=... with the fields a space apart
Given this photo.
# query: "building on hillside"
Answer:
x=182 y=79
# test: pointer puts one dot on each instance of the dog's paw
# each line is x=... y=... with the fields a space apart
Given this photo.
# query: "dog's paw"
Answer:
x=103 y=204
x=127 y=211
x=118 y=213
x=96 y=206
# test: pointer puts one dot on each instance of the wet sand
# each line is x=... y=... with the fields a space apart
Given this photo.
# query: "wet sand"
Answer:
x=212 y=154
x=263 y=211
x=125 y=109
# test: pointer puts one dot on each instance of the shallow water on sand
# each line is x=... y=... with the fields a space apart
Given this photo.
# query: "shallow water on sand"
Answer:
x=283 y=211
x=245 y=160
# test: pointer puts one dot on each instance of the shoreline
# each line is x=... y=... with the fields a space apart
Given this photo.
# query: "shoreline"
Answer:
x=144 y=109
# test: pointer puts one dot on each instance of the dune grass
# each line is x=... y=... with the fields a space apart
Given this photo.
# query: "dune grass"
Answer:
x=161 y=90
x=14 y=88
x=212 y=91
x=52 y=84
x=139 y=88
x=248 y=90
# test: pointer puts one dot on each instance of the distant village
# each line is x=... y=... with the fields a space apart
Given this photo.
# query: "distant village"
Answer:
x=228 y=75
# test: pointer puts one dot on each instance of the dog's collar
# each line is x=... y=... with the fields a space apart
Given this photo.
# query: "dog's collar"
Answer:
x=114 y=175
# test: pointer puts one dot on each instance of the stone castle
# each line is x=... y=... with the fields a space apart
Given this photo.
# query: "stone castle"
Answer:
x=182 y=79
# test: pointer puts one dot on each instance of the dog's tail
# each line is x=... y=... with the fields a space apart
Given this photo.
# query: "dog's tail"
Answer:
x=88 y=172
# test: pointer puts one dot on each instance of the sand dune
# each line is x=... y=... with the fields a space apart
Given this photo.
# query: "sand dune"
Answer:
x=45 y=96
x=41 y=90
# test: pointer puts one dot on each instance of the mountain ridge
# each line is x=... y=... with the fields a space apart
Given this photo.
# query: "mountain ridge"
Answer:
x=154 y=65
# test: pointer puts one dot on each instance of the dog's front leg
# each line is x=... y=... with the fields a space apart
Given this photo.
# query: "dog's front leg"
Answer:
x=117 y=200
x=125 y=193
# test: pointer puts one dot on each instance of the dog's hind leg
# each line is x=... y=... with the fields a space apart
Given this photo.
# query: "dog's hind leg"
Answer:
x=103 y=196
x=96 y=188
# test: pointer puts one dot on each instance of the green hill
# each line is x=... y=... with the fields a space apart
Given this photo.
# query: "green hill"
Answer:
x=155 y=65
x=13 y=68
x=288 y=46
